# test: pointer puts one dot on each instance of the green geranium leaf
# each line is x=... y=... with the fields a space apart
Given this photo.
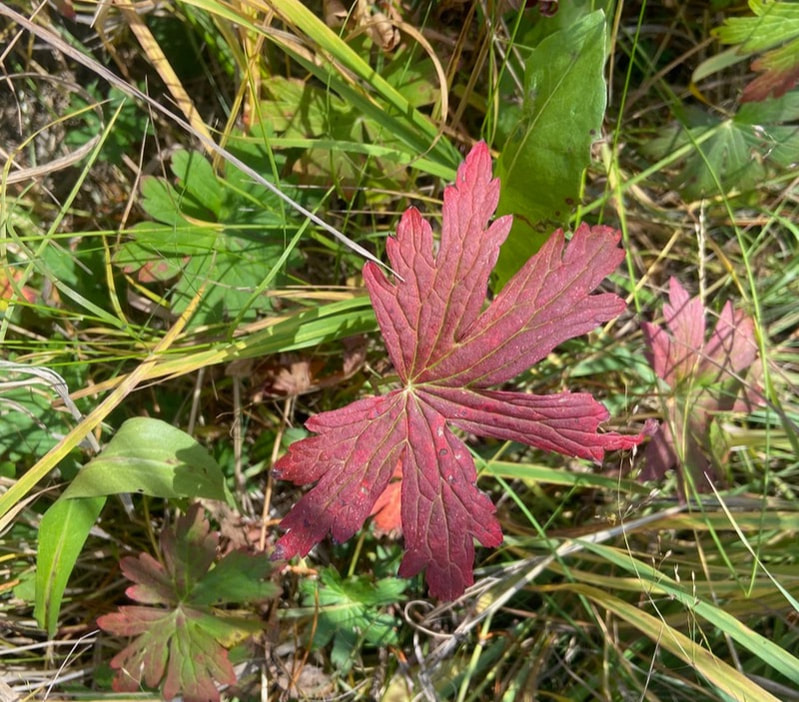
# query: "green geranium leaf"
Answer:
x=732 y=153
x=223 y=234
x=350 y=613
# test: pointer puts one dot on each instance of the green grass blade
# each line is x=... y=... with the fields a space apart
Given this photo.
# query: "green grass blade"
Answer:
x=724 y=676
x=653 y=580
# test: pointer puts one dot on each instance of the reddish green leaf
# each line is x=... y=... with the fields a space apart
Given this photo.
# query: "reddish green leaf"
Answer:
x=180 y=645
x=172 y=642
x=448 y=352
x=779 y=73
x=773 y=28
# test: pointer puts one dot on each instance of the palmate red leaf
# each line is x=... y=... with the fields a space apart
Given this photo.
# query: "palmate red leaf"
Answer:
x=448 y=352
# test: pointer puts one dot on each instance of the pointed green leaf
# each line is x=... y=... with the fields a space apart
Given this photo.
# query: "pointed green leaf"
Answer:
x=542 y=163
x=62 y=533
x=150 y=457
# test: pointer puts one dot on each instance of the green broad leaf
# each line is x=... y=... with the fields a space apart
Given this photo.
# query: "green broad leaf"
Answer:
x=534 y=28
x=296 y=108
x=785 y=109
x=173 y=242
x=238 y=577
x=350 y=613
x=62 y=533
x=150 y=457
x=230 y=276
x=413 y=75
x=717 y=63
x=735 y=153
x=223 y=234
x=134 y=257
x=543 y=160
x=160 y=201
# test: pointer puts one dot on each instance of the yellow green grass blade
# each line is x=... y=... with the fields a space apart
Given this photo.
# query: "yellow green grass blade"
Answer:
x=726 y=678
x=655 y=581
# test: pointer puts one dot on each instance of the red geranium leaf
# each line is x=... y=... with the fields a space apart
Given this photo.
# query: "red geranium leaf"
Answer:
x=448 y=351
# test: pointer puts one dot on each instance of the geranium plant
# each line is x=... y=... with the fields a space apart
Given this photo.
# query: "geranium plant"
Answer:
x=180 y=629
x=701 y=378
x=449 y=350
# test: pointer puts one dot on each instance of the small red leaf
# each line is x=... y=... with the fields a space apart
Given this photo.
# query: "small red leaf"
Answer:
x=703 y=377
x=678 y=351
x=674 y=355
x=386 y=511
x=448 y=352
